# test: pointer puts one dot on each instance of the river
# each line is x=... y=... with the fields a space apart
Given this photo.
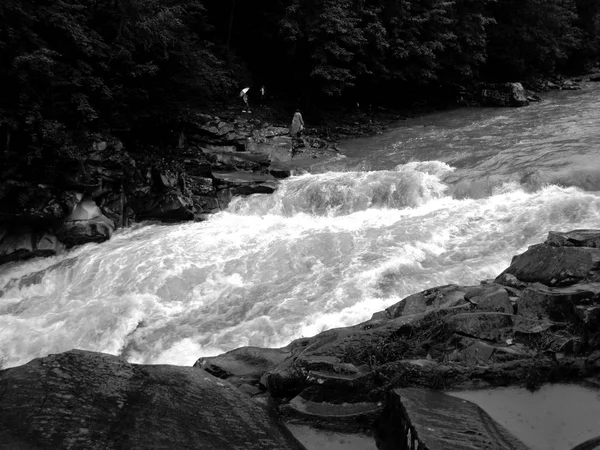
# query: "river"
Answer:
x=445 y=198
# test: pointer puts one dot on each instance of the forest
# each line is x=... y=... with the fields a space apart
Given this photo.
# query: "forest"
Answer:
x=135 y=67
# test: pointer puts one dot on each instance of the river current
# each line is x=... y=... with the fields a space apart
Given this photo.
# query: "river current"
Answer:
x=445 y=198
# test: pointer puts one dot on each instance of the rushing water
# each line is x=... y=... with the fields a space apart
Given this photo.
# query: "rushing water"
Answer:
x=446 y=198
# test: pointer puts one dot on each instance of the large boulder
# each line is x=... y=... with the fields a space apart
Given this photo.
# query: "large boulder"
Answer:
x=81 y=399
x=503 y=94
x=79 y=232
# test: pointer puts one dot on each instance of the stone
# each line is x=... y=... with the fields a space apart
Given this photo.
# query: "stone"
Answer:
x=503 y=94
x=278 y=148
x=442 y=297
x=554 y=266
x=245 y=363
x=171 y=206
x=84 y=210
x=575 y=238
x=340 y=417
x=423 y=419
x=490 y=298
x=483 y=325
x=237 y=161
x=82 y=399
x=79 y=232
x=25 y=244
x=557 y=304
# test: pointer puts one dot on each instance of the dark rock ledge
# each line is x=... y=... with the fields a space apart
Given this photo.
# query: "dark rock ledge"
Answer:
x=84 y=198
x=537 y=322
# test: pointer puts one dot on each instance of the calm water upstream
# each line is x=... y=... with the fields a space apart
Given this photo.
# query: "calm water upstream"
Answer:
x=446 y=198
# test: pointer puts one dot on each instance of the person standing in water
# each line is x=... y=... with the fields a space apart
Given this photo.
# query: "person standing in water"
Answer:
x=297 y=124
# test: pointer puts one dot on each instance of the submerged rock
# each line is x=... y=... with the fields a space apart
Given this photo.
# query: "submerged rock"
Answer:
x=81 y=399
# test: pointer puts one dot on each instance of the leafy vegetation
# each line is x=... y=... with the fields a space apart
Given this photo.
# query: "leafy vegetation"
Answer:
x=134 y=67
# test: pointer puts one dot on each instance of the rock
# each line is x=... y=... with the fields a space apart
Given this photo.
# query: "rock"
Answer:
x=25 y=244
x=431 y=420
x=164 y=179
x=168 y=207
x=436 y=298
x=553 y=266
x=84 y=210
x=492 y=327
x=200 y=185
x=81 y=399
x=244 y=364
x=278 y=148
x=231 y=162
x=278 y=170
x=558 y=304
x=503 y=94
x=575 y=238
x=340 y=417
x=490 y=298
x=79 y=232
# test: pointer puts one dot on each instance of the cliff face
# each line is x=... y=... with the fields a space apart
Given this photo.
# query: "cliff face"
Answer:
x=84 y=196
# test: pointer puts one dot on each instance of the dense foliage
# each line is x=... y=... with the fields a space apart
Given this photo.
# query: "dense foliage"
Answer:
x=132 y=66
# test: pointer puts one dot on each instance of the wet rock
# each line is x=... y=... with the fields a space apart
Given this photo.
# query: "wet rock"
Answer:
x=168 y=207
x=558 y=304
x=79 y=232
x=503 y=94
x=440 y=297
x=483 y=325
x=237 y=161
x=26 y=244
x=86 y=209
x=278 y=170
x=431 y=420
x=490 y=298
x=554 y=266
x=244 y=364
x=81 y=399
x=340 y=417
x=278 y=148
x=575 y=238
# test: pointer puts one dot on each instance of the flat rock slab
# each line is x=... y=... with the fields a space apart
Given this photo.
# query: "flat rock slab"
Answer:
x=575 y=238
x=81 y=399
x=554 y=266
x=431 y=420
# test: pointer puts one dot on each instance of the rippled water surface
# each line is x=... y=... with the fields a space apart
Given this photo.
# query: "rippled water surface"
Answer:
x=446 y=198
x=556 y=417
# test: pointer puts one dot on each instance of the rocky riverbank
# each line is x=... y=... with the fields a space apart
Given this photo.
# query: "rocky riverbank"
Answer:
x=89 y=185
x=537 y=322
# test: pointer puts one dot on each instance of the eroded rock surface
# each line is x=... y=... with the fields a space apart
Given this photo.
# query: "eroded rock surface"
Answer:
x=89 y=400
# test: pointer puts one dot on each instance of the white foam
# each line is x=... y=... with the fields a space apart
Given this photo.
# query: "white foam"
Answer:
x=170 y=294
